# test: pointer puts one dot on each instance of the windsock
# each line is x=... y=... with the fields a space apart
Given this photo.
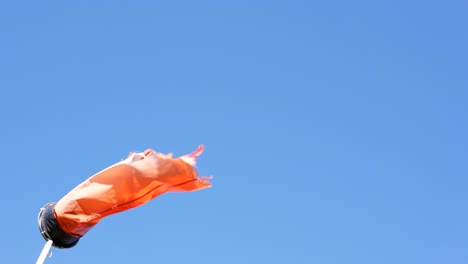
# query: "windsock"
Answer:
x=127 y=184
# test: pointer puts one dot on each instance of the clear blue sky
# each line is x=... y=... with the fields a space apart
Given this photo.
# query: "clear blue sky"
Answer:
x=336 y=131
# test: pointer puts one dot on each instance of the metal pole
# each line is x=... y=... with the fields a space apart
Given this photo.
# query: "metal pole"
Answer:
x=45 y=252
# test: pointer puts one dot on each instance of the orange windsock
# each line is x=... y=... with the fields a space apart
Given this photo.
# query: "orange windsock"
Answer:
x=122 y=186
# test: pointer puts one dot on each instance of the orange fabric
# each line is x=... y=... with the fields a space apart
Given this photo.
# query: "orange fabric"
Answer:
x=125 y=185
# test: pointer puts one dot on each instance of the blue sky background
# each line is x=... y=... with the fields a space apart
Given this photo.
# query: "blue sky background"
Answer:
x=336 y=131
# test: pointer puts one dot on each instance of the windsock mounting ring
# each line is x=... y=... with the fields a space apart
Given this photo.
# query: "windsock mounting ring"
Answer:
x=51 y=230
